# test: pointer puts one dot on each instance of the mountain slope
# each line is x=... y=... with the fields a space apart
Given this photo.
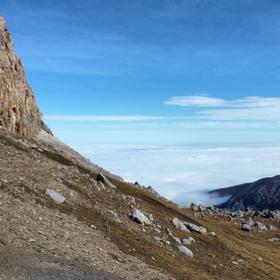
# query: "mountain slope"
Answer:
x=259 y=195
x=56 y=204
x=93 y=224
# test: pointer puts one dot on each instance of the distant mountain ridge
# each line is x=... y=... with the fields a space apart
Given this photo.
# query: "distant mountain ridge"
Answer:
x=259 y=195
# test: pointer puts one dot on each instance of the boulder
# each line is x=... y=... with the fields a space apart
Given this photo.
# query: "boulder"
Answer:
x=194 y=207
x=261 y=227
x=140 y=217
x=179 y=224
x=271 y=228
x=163 y=241
x=102 y=179
x=274 y=215
x=55 y=196
x=196 y=228
x=186 y=251
x=177 y=239
x=274 y=239
x=188 y=241
x=246 y=227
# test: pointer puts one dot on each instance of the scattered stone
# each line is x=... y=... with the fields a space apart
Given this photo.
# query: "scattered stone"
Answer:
x=189 y=241
x=101 y=178
x=194 y=207
x=271 y=228
x=261 y=227
x=151 y=217
x=186 y=251
x=201 y=208
x=179 y=224
x=274 y=215
x=274 y=239
x=55 y=196
x=140 y=217
x=177 y=240
x=196 y=228
x=162 y=240
x=32 y=240
x=246 y=227
x=169 y=232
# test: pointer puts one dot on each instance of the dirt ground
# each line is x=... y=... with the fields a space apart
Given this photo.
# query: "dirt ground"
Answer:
x=18 y=264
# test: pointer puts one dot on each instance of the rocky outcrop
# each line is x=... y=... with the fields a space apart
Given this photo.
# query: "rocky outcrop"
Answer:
x=19 y=113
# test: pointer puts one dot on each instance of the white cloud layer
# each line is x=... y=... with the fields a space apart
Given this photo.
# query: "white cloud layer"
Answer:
x=184 y=173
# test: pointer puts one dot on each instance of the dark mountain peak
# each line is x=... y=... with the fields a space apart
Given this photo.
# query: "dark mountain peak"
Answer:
x=258 y=195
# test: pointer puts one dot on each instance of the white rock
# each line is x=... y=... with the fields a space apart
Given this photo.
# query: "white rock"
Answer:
x=246 y=227
x=177 y=240
x=186 y=251
x=261 y=227
x=55 y=196
x=275 y=239
x=189 y=241
x=179 y=224
x=198 y=229
x=103 y=179
x=140 y=217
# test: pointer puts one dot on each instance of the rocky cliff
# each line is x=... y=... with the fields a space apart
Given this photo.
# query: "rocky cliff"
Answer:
x=19 y=113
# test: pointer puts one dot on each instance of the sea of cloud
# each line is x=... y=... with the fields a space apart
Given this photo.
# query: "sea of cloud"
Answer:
x=185 y=174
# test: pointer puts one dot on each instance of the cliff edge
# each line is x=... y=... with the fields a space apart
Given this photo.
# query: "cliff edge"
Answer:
x=19 y=113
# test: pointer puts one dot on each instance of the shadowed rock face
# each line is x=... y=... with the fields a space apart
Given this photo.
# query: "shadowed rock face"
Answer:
x=19 y=113
x=259 y=195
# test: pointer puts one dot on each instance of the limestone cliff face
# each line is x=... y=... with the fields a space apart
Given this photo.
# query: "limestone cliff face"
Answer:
x=19 y=113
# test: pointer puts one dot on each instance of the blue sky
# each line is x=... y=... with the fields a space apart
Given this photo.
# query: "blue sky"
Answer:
x=131 y=57
x=153 y=72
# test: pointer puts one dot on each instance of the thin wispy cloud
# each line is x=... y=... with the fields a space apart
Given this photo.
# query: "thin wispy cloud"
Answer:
x=269 y=114
x=251 y=108
x=109 y=118
x=195 y=101
x=205 y=101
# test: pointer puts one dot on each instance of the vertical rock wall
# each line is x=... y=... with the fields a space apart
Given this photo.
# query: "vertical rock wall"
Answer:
x=19 y=113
